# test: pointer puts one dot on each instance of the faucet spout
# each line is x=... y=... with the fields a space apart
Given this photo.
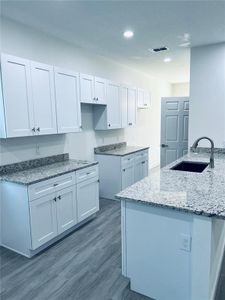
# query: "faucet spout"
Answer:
x=195 y=145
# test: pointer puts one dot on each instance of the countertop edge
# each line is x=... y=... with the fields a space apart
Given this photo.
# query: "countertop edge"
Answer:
x=114 y=154
x=49 y=177
x=179 y=209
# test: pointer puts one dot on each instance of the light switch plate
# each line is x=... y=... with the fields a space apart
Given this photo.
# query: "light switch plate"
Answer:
x=185 y=242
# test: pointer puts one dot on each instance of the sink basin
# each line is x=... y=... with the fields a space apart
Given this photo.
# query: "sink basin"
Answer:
x=190 y=166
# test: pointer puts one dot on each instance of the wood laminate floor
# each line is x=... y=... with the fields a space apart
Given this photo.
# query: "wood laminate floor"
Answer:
x=86 y=265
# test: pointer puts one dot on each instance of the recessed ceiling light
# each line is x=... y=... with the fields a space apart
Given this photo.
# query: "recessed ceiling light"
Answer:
x=128 y=34
x=167 y=59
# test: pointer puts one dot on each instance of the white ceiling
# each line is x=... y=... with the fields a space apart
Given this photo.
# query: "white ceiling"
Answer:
x=99 y=25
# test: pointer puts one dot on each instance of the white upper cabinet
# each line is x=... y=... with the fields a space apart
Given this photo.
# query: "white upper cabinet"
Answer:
x=100 y=90
x=43 y=98
x=132 y=106
x=128 y=106
x=86 y=88
x=143 y=98
x=124 y=105
x=93 y=89
x=113 y=106
x=16 y=107
x=67 y=101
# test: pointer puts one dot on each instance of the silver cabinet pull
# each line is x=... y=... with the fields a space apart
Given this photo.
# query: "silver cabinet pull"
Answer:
x=33 y=129
x=55 y=199
x=38 y=129
x=59 y=197
x=164 y=146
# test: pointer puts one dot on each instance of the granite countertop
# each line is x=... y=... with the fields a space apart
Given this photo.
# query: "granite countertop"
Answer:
x=120 y=149
x=198 y=193
x=49 y=170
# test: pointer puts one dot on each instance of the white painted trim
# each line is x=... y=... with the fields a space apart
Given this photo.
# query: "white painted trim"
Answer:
x=219 y=266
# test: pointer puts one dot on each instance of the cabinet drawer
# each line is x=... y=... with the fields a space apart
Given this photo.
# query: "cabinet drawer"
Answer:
x=55 y=184
x=141 y=156
x=127 y=160
x=86 y=173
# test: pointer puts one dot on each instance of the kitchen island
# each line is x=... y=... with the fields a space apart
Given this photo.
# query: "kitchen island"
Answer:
x=173 y=231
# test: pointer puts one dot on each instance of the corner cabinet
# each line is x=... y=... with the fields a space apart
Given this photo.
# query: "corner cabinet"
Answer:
x=37 y=215
x=119 y=172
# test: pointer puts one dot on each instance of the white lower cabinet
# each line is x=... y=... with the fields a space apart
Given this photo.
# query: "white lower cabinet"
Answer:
x=66 y=208
x=87 y=198
x=127 y=176
x=117 y=173
x=43 y=220
x=37 y=215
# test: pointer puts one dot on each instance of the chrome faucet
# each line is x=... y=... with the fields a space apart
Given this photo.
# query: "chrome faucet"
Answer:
x=195 y=145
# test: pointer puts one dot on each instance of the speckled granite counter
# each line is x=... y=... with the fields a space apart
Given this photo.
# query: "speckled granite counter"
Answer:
x=120 y=149
x=33 y=171
x=199 y=193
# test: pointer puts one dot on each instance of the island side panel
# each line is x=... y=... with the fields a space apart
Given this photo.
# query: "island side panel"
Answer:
x=109 y=175
x=15 y=218
x=156 y=256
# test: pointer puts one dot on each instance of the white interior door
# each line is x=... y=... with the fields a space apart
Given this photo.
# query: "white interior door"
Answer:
x=67 y=101
x=113 y=105
x=100 y=91
x=17 y=96
x=43 y=220
x=86 y=88
x=43 y=98
x=87 y=198
x=132 y=107
x=66 y=208
x=174 y=128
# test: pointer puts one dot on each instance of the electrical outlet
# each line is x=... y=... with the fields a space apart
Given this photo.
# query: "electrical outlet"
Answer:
x=185 y=242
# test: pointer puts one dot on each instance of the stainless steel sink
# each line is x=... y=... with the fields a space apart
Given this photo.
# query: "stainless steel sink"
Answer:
x=190 y=166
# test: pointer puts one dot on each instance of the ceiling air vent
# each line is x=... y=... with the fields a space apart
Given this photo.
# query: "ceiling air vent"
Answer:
x=159 y=49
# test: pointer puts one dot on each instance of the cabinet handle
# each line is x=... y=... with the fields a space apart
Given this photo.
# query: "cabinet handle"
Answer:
x=98 y=180
x=130 y=124
x=81 y=126
x=109 y=125
x=88 y=173
x=143 y=162
x=97 y=98
x=59 y=197
x=55 y=199
x=124 y=170
x=55 y=184
x=38 y=129
x=33 y=129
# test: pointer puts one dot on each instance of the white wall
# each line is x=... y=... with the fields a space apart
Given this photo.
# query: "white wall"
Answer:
x=207 y=94
x=26 y=42
x=180 y=89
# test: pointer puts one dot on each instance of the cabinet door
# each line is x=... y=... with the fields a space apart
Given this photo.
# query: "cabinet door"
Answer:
x=127 y=176
x=43 y=220
x=100 y=91
x=43 y=98
x=87 y=198
x=139 y=171
x=17 y=96
x=147 y=99
x=124 y=108
x=132 y=107
x=66 y=208
x=145 y=168
x=140 y=98
x=113 y=106
x=67 y=101
x=86 y=88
